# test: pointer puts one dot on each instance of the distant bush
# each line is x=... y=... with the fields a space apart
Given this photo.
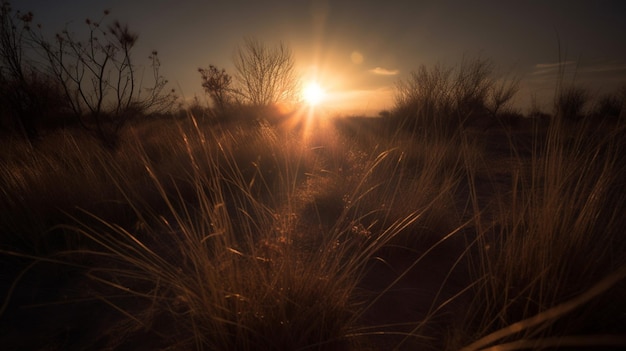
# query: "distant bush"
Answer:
x=571 y=103
x=439 y=99
x=31 y=104
x=217 y=84
x=611 y=105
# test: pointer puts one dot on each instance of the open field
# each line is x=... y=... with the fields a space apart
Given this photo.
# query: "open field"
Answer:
x=336 y=235
x=246 y=207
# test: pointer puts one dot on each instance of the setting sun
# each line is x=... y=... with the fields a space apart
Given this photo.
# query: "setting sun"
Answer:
x=313 y=94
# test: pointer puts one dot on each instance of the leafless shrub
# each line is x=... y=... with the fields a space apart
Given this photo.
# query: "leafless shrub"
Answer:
x=571 y=102
x=501 y=93
x=440 y=99
x=96 y=74
x=217 y=83
x=265 y=75
x=472 y=85
x=425 y=91
x=99 y=77
x=611 y=105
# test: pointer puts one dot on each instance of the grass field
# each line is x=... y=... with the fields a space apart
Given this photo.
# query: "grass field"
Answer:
x=341 y=234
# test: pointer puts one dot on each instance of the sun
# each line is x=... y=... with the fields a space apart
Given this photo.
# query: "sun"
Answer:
x=313 y=94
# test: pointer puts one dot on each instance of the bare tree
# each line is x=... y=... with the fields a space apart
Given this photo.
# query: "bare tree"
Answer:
x=13 y=28
x=501 y=94
x=99 y=77
x=217 y=83
x=15 y=93
x=265 y=75
x=155 y=99
x=91 y=76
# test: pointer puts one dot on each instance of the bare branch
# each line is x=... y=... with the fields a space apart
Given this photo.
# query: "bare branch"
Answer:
x=265 y=75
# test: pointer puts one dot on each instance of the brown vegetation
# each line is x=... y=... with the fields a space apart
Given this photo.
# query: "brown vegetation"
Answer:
x=451 y=222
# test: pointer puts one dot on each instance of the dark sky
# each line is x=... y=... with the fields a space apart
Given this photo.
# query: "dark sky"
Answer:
x=357 y=50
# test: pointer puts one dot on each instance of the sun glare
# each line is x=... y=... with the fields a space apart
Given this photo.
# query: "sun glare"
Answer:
x=313 y=94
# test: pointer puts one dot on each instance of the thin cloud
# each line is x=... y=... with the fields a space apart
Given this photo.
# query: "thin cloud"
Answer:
x=384 y=72
x=553 y=65
x=596 y=67
x=548 y=68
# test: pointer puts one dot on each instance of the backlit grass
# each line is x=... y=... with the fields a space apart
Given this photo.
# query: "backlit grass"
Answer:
x=246 y=236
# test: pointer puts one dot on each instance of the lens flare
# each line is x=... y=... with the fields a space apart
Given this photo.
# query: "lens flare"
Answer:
x=313 y=94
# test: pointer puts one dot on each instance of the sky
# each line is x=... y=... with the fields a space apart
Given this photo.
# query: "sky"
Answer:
x=359 y=50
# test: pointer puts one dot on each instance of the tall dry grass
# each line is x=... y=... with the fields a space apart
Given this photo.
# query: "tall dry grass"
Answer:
x=237 y=238
x=550 y=262
x=203 y=236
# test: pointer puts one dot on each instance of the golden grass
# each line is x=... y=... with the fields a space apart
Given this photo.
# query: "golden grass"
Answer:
x=246 y=237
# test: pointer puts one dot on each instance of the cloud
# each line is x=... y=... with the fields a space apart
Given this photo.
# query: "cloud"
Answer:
x=553 y=65
x=548 y=68
x=590 y=68
x=384 y=72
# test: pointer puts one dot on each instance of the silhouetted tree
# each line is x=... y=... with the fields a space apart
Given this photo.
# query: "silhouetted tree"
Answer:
x=217 y=83
x=18 y=102
x=95 y=78
x=99 y=78
x=500 y=94
x=265 y=75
